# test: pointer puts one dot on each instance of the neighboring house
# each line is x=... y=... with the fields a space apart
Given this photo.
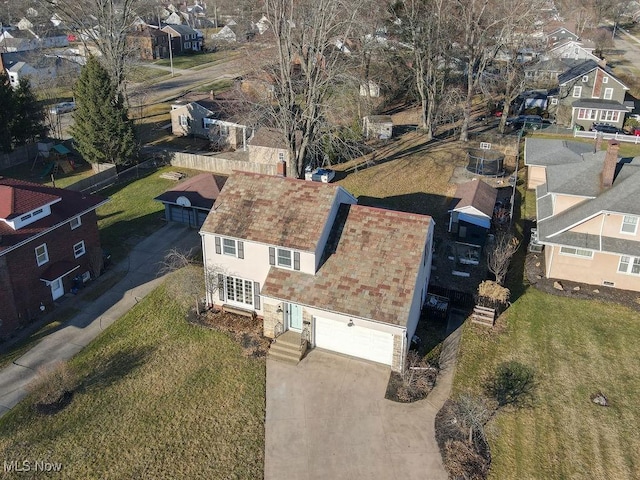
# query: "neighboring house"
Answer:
x=574 y=50
x=190 y=201
x=587 y=220
x=560 y=34
x=226 y=34
x=149 y=43
x=36 y=67
x=378 y=126
x=205 y=117
x=48 y=241
x=18 y=41
x=471 y=212
x=305 y=258
x=545 y=72
x=184 y=38
x=268 y=146
x=541 y=153
x=593 y=94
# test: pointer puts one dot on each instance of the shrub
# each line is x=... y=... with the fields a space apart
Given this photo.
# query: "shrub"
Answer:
x=52 y=384
x=512 y=383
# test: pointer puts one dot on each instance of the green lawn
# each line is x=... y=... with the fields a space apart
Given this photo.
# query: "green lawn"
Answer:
x=157 y=398
x=192 y=60
x=132 y=213
x=577 y=348
x=34 y=173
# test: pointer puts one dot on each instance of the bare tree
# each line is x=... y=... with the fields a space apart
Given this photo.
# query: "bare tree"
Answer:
x=187 y=281
x=311 y=43
x=475 y=413
x=499 y=254
x=103 y=24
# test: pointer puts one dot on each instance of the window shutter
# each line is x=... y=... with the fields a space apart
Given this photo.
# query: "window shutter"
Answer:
x=221 y=286
x=272 y=256
x=256 y=295
x=296 y=260
x=240 y=249
x=218 y=247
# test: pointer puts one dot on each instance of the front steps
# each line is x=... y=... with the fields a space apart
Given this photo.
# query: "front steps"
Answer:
x=286 y=348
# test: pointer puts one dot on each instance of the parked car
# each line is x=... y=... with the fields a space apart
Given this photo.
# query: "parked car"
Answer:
x=63 y=107
x=323 y=175
x=528 y=122
x=605 y=128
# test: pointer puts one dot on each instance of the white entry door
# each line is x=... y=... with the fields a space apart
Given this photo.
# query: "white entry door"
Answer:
x=57 y=288
x=357 y=341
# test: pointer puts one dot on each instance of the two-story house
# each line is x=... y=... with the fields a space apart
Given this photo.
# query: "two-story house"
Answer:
x=591 y=93
x=307 y=259
x=588 y=215
x=184 y=38
x=148 y=43
x=48 y=237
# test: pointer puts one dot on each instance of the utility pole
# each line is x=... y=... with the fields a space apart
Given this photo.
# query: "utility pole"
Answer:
x=170 y=52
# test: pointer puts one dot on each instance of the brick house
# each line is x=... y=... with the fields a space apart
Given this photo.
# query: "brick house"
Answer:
x=314 y=265
x=149 y=43
x=47 y=239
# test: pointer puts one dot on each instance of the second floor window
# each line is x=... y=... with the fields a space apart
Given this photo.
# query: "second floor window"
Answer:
x=229 y=247
x=629 y=224
x=184 y=121
x=284 y=258
x=577 y=91
x=42 y=256
x=78 y=249
x=75 y=222
x=608 y=93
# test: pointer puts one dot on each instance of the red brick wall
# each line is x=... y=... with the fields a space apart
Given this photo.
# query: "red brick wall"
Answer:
x=20 y=268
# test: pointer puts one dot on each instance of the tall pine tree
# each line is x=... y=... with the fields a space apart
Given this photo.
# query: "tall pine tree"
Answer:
x=27 y=123
x=102 y=131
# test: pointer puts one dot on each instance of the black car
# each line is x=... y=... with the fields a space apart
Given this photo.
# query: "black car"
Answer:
x=605 y=128
x=529 y=122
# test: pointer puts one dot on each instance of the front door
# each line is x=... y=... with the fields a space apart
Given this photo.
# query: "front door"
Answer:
x=57 y=289
x=294 y=317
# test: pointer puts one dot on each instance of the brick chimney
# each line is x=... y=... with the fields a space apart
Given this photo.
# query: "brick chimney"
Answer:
x=610 y=162
x=282 y=168
x=598 y=144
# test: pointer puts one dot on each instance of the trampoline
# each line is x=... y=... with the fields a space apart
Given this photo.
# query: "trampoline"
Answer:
x=489 y=163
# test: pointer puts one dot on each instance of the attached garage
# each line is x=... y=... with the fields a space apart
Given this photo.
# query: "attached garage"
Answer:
x=356 y=341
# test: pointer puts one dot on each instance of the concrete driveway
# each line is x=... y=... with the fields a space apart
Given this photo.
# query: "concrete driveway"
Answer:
x=327 y=418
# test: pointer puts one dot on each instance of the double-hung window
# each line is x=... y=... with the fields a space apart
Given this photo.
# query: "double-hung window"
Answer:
x=285 y=258
x=629 y=265
x=78 y=249
x=629 y=224
x=577 y=92
x=184 y=121
x=42 y=256
x=229 y=246
x=75 y=222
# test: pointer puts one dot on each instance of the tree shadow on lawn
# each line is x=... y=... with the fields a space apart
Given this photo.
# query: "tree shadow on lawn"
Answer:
x=110 y=370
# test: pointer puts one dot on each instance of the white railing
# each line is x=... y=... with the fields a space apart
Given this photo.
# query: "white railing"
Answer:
x=607 y=136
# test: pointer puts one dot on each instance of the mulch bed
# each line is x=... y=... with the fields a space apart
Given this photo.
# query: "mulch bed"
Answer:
x=534 y=269
x=246 y=331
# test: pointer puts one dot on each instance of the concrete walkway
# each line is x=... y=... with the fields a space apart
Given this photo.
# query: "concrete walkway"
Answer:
x=327 y=418
x=141 y=277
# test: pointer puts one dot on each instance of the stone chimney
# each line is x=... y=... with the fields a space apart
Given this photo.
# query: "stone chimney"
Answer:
x=598 y=144
x=282 y=168
x=610 y=163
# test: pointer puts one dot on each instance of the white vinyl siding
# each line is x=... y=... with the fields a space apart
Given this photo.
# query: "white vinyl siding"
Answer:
x=629 y=224
x=42 y=256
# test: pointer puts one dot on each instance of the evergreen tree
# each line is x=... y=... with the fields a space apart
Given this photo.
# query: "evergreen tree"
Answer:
x=102 y=131
x=27 y=122
x=6 y=113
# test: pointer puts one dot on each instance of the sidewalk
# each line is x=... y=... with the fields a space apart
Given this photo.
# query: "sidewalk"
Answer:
x=141 y=278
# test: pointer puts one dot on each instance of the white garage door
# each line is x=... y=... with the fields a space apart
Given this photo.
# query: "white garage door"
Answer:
x=356 y=341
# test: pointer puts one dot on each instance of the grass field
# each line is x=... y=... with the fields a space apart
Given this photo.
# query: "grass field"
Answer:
x=192 y=60
x=33 y=173
x=577 y=348
x=157 y=398
x=132 y=212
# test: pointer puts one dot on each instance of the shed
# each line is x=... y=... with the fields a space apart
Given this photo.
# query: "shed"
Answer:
x=378 y=126
x=471 y=211
x=190 y=201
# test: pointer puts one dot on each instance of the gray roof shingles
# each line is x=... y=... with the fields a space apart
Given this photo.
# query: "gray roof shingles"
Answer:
x=370 y=274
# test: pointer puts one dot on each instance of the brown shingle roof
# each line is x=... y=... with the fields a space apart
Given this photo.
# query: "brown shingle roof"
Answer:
x=277 y=211
x=268 y=137
x=16 y=200
x=201 y=190
x=34 y=195
x=475 y=193
x=372 y=271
